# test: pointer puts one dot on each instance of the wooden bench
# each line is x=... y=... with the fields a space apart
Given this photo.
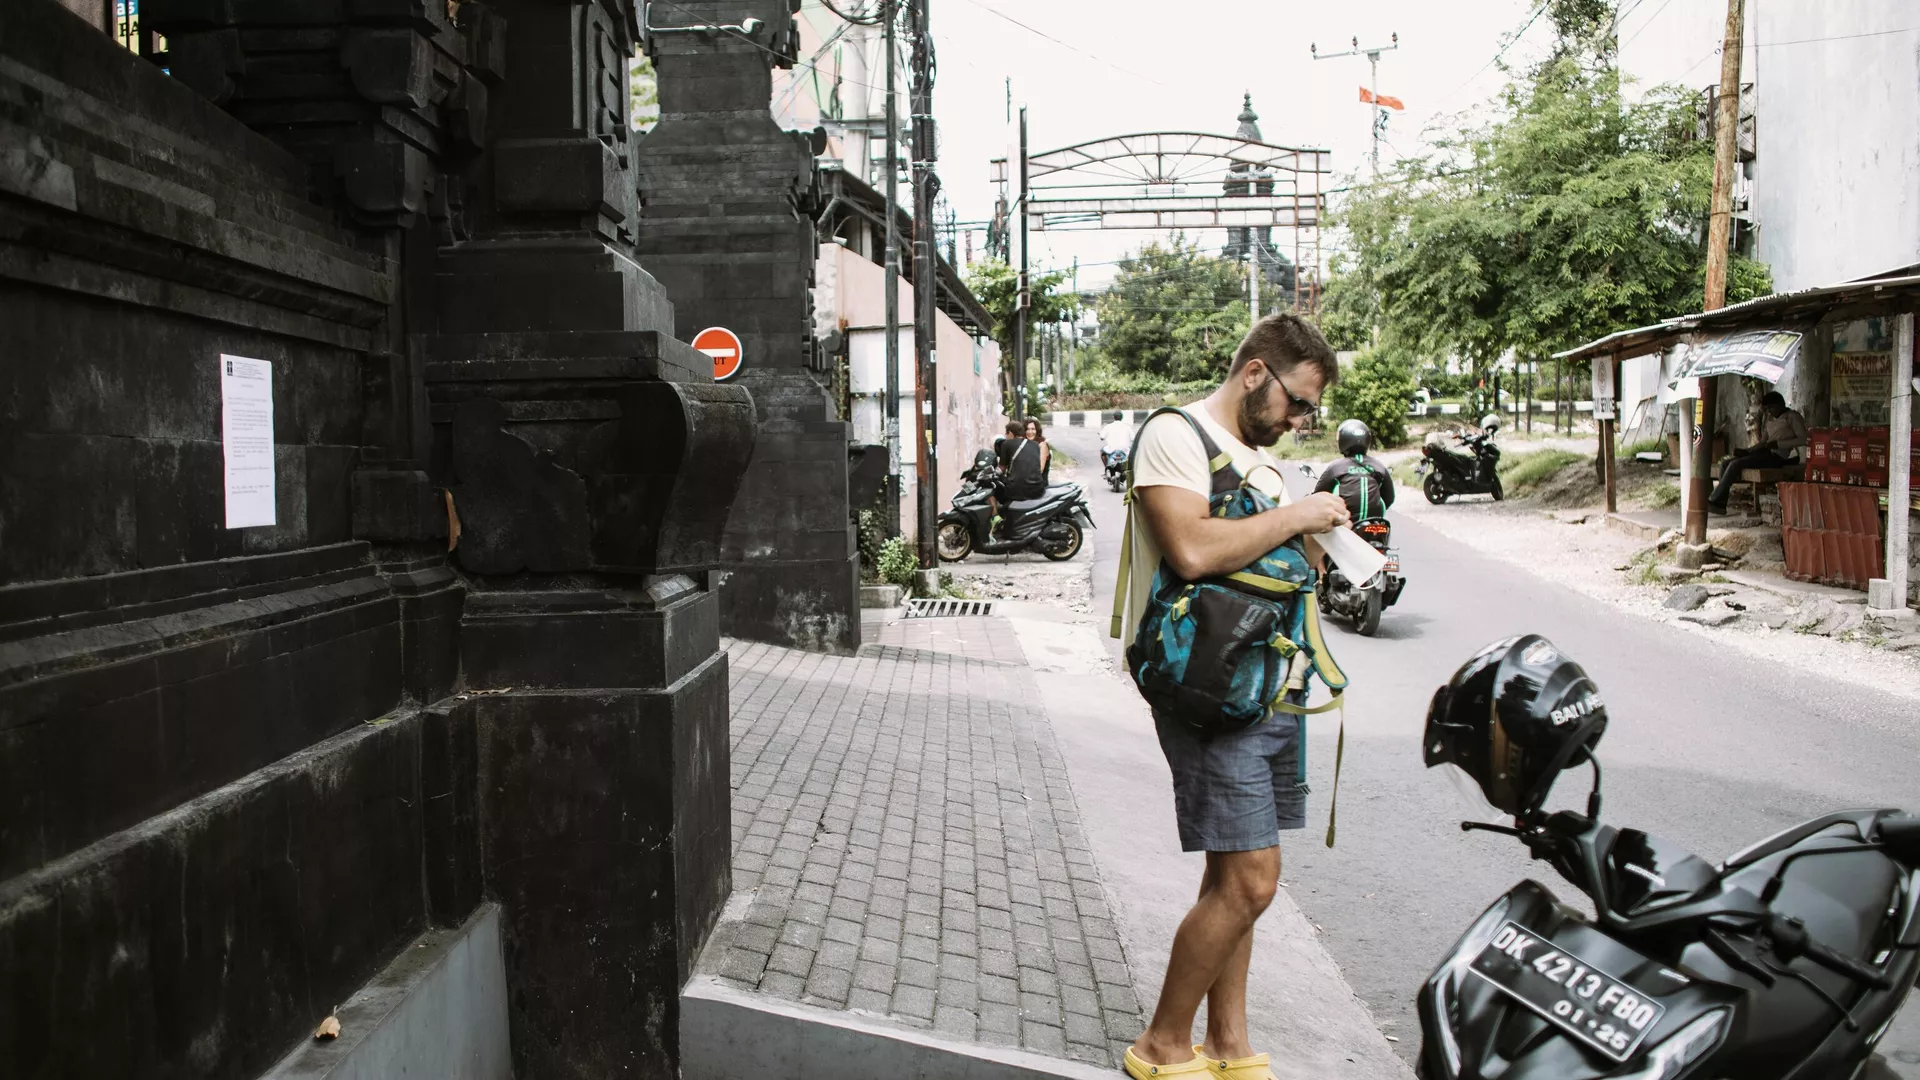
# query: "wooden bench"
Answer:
x=1761 y=481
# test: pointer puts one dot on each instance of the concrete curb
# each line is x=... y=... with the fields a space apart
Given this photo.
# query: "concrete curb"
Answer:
x=438 y=1009
x=731 y=1034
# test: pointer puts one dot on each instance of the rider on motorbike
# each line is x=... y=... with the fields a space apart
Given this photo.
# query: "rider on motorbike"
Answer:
x=1117 y=435
x=1358 y=477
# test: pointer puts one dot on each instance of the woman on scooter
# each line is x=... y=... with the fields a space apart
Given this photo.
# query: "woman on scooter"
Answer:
x=1035 y=435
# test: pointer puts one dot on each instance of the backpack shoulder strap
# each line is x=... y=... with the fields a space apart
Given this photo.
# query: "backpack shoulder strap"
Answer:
x=1225 y=478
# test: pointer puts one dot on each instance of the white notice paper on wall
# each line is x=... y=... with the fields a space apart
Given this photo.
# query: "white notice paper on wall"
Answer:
x=246 y=434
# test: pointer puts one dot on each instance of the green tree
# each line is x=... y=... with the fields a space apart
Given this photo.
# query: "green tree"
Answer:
x=997 y=286
x=1568 y=215
x=1375 y=388
x=643 y=91
x=1174 y=312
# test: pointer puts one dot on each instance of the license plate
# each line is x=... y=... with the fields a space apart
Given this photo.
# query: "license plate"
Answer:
x=1593 y=1007
x=1393 y=564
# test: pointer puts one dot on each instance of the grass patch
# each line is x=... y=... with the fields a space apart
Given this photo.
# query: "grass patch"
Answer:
x=1644 y=446
x=1662 y=495
x=1060 y=457
x=1404 y=475
x=1645 y=569
x=1520 y=473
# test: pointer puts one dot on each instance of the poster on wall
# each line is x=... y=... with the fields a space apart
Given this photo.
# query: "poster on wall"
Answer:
x=1758 y=354
x=1862 y=387
x=246 y=438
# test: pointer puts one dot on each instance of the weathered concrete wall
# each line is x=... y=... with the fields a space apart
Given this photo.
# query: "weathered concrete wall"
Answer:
x=1836 y=175
x=969 y=373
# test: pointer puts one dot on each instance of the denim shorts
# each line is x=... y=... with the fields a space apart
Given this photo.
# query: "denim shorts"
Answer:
x=1235 y=791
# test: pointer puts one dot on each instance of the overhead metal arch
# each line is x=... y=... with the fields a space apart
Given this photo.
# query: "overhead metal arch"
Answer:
x=1175 y=180
x=1174 y=157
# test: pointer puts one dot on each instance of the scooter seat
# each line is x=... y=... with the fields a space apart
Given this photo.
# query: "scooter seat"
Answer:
x=1054 y=493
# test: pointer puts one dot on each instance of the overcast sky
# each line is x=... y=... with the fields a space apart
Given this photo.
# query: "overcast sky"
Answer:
x=1124 y=66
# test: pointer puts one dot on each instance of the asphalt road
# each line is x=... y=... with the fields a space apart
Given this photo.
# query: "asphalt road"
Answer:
x=1708 y=748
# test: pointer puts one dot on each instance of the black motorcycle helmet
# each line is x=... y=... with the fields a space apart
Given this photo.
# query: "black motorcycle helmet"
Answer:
x=1512 y=718
x=984 y=462
x=1354 y=438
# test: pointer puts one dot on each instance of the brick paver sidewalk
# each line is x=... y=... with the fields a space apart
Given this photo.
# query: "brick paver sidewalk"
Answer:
x=903 y=823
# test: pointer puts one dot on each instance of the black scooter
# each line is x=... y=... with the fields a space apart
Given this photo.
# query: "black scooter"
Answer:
x=1446 y=472
x=1363 y=603
x=1116 y=462
x=1786 y=962
x=1051 y=524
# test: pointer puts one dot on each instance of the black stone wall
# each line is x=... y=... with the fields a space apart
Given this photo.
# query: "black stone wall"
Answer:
x=728 y=228
x=239 y=768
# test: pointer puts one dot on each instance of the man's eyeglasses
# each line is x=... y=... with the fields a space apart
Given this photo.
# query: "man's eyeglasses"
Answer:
x=1297 y=406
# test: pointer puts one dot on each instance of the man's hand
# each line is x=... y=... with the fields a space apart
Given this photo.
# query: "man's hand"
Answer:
x=1319 y=512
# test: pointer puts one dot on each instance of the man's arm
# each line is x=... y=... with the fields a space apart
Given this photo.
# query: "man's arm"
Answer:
x=1796 y=434
x=1197 y=545
x=1330 y=478
x=1386 y=482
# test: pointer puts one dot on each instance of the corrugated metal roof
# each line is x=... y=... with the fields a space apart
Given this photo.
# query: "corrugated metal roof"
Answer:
x=1807 y=305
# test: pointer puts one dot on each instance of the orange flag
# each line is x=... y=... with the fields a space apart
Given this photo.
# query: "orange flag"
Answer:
x=1383 y=101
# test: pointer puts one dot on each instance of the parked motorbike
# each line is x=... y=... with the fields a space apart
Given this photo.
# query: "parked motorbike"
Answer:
x=1363 y=603
x=1116 y=469
x=1446 y=472
x=1789 y=960
x=1051 y=524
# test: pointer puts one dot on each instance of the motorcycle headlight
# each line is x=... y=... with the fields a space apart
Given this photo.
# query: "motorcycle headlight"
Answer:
x=1446 y=987
x=1674 y=1056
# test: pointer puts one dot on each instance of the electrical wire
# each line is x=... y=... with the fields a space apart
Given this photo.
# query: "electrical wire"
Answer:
x=1067 y=45
x=778 y=56
x=874 y=18
x=1649 y=22
x=1508 y=44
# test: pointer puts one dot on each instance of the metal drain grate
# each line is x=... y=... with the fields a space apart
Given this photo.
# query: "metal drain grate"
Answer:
x=944 y=608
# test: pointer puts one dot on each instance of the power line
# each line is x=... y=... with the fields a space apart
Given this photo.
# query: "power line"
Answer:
x=1508 y=44
x=778 y=56
x=1836 y=37
x=1066 y=45
x=871 y=18
x=1649 y=22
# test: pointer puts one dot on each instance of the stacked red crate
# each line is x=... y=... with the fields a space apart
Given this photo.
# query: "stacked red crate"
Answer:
x=1831 y=533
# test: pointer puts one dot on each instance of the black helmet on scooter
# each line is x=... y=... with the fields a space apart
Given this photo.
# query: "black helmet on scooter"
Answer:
x=1512 y=718
x=1354 y=438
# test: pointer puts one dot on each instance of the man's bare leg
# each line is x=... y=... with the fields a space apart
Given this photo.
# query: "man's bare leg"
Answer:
x=1227 y=1006
x=1215 y=936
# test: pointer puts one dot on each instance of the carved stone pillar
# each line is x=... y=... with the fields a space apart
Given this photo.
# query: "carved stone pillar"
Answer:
x=528 y=387
x=727 y=226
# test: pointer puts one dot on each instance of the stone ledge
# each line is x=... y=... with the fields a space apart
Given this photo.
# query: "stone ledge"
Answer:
x=729 y=1034
x=439 y=1009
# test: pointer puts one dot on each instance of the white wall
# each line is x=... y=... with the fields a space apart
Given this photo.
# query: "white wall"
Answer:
x=1836 y=178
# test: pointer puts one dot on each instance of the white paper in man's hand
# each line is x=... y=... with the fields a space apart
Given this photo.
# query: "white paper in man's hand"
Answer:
x=1355 y=557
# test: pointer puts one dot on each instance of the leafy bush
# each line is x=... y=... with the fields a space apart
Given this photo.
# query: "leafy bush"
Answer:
x=897 y=562
x=1376 y=389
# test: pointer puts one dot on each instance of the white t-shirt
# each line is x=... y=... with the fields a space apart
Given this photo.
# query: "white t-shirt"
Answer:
x=1117 y=435
x=1171 y=455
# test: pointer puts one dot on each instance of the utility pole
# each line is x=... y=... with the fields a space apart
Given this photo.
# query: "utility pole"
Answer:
x=1376 y=110
x=891 y=407
x=1726 y=134
x=926 y=285
x=1253 y=283
x=1022 y=299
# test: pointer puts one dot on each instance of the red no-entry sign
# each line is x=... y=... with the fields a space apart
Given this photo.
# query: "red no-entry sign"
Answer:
x=724 y=346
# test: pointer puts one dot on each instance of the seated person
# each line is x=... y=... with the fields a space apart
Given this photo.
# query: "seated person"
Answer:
x=1026 y=465
x=1783 y=433
x=1357 y=477
x=1117 y=435
x=1003 y=447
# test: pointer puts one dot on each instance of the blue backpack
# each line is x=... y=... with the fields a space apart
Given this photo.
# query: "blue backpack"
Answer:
x=1218 y=653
